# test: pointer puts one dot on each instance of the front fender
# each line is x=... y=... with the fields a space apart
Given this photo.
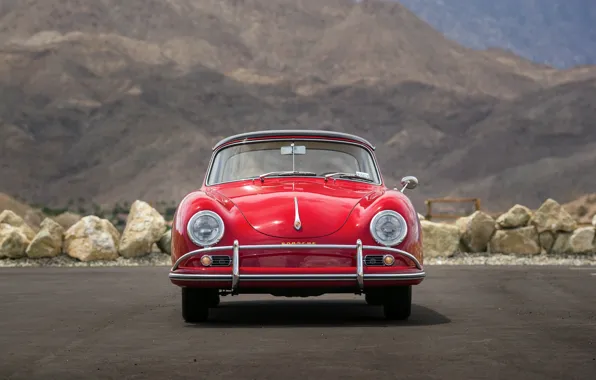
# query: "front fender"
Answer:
x=358 y=224
x=198 y=201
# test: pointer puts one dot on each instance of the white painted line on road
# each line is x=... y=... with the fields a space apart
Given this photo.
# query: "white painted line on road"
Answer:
x=582 y=268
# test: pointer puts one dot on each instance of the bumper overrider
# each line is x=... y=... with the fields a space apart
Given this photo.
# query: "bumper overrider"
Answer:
x=239 y=275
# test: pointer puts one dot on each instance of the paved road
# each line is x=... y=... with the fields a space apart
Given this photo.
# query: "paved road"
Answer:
x=467 y=323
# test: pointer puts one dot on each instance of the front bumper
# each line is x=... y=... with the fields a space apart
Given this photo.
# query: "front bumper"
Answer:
x=281 y=276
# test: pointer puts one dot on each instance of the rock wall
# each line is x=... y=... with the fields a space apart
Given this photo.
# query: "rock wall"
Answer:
x=550 y=230
x=87 y=239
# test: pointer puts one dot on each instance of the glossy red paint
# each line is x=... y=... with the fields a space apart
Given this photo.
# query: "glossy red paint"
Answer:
x=337 y=211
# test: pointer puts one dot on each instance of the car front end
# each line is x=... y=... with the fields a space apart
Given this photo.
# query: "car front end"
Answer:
x=328 y=225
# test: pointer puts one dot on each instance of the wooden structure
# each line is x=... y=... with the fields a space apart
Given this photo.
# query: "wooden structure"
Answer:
x=429 y=202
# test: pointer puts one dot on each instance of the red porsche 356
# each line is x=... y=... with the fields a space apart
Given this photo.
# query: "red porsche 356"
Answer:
x=296 y=213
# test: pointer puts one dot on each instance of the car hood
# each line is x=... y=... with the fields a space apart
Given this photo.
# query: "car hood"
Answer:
x=270 y=208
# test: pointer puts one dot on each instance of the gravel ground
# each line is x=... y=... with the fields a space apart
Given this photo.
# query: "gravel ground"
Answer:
x=161 y=259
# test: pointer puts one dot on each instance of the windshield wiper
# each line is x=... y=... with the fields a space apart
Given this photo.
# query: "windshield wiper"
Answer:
x=286 y=173
x=348 y=175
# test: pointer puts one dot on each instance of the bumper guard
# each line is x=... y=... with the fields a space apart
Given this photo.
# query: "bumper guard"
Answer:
x=358 y=275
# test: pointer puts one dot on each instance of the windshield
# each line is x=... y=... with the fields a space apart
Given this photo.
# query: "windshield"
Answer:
x=250 y=160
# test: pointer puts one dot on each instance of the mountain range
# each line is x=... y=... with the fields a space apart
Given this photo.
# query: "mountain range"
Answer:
x=561 y=33
x=114 y=101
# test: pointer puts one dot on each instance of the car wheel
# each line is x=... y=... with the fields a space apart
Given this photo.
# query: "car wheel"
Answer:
x=214 y=300
x=374 y=299
x=195 y=305
x=397 y=303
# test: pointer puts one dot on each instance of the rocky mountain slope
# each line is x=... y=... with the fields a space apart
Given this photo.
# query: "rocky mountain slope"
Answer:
x=561 y=33
x=115 y=101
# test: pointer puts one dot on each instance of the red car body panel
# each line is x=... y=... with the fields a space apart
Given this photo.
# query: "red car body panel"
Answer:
x=333 y=211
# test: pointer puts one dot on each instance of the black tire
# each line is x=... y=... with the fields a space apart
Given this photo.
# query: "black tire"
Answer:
x=397 y=303
x=214 y=300
x=195 y=305
x=374 y=298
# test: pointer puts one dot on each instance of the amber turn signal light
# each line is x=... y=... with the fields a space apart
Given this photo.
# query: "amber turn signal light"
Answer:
x=206 y=260
x=388 y=260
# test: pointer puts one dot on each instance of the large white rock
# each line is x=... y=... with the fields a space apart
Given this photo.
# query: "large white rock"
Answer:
x=9 y=217
x=476 y=230
x=144 y=227
x=92 y=239
x=517 y=216
x=439 y=239
x=579 y=241
x=48 y=241
x=582 y=240
x=13 y=242
x=165 y=242
x=523 y=241
x=551 y=216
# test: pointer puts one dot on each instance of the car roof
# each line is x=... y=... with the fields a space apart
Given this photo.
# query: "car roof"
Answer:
x=293 y=132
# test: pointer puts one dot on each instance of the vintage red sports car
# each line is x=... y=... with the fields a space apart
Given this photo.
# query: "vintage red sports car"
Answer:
x=296 y=213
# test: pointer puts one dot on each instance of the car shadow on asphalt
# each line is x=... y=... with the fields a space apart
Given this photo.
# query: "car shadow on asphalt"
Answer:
x=317 y=313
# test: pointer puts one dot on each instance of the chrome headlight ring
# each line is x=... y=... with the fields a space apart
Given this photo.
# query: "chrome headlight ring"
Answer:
x=209 y=220
x=395 y=224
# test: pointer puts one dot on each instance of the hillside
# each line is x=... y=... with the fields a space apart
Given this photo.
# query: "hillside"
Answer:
x=561 y=33
x=101 y=102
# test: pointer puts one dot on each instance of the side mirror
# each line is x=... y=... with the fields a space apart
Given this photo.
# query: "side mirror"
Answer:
x=409 y=182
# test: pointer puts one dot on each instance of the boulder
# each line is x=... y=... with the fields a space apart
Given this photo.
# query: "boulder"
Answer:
x=92 y=239
x=576 y=242
x=551 y=216
x=547 y=239
x=561 y=244
x=144 y=227
x=582 y=240
x=9 y=217
x=476 y=230
x=48 y=241
x=165 y=242
x=523 y=241
x=517 y=216
x=13 y=242
x=67 y=219
x=439 y=239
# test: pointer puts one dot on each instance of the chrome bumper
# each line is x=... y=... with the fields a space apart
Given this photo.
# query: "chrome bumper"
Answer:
x=359 y=275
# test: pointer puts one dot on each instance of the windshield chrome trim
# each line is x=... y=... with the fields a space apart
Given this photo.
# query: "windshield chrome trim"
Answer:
x=276 y=133
x=216 y=151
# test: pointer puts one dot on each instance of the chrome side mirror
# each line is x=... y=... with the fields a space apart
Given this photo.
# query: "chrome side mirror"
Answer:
x=409 y=182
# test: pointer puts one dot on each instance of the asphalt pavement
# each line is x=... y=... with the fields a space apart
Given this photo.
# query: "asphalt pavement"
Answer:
x=477 y=322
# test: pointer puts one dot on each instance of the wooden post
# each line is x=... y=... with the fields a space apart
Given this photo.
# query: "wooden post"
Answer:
x=429 y=202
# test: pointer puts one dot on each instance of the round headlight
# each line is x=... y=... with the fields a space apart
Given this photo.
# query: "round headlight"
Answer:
x=205 y=228
x=388 y=228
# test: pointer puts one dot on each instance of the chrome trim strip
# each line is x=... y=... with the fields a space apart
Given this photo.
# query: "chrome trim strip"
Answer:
x=298 y=277
x=297 y=222
x=394 y=251
x=359 y=264
x=290 y=132
x=235 y=265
